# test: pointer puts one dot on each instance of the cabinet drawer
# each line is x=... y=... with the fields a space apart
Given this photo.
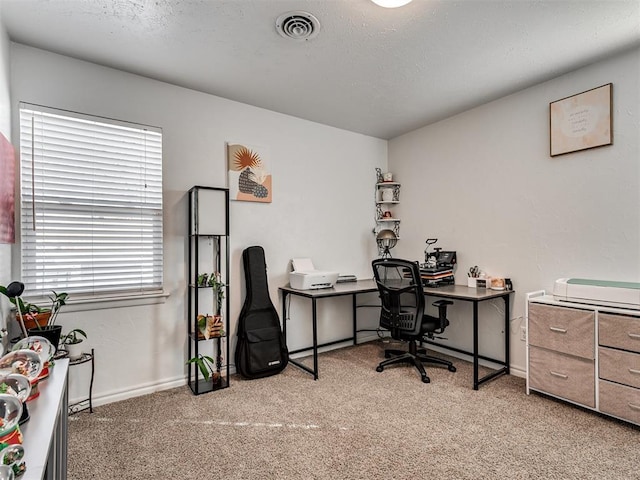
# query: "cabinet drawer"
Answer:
x=619 y=331
x=562 y=375
x=567 y=330
x=620 y=401
x=619 y=366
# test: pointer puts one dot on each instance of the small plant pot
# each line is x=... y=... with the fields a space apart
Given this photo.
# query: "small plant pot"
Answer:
x=74 y=350
x=30 y=320
x=50 y=332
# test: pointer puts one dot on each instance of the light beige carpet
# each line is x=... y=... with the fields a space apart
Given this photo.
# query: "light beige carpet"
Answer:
x=353 y=423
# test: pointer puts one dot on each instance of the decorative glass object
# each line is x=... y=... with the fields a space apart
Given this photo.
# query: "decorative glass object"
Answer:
x=10 y=413
x=43 y=347
x=12 y=457
x=25 y=362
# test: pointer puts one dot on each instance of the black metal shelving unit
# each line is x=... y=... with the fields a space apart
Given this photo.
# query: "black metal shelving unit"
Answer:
x=208 y=254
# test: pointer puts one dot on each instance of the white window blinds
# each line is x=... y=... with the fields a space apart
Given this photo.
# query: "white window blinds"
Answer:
x=91 y=204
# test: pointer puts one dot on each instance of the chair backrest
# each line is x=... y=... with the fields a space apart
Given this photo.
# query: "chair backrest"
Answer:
x=401 y=295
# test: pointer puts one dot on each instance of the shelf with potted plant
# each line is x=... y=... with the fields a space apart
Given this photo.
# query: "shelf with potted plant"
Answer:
x=208 y=303
x=72 y=343
x=34 y=319
x=87 y=402
x=210 y=326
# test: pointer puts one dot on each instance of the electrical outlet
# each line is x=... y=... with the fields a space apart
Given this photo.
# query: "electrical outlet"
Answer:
x=523 y=333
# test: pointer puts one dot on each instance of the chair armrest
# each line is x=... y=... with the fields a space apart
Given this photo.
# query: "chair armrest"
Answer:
x=442 y=303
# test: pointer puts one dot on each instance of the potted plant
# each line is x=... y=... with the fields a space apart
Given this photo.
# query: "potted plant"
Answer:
x=72 y=343
x=207 y=367
x=33 y=319
x=208 y=325
x=215 y=282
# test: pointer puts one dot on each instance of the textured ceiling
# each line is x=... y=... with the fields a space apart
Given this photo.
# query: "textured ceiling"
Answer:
x=380 y=72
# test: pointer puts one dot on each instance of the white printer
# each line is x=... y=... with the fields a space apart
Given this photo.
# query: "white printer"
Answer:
x=598 y=292
x=306 y=277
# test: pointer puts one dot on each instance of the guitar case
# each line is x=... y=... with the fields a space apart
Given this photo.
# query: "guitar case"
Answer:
x=261 y=350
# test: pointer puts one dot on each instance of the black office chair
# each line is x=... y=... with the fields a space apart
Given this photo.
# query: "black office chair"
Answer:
x=403 y=313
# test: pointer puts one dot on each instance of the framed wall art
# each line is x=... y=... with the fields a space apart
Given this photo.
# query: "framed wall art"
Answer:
x=249 y=173
x=581 y=121
x=7 y=191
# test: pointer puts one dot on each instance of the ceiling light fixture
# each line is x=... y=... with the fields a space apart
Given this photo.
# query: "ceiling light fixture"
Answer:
x=391 y=3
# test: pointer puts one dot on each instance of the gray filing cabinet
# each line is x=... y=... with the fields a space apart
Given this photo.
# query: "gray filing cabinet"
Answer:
x=586 y=354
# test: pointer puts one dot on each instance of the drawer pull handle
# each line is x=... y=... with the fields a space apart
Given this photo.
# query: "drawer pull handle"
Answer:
x=556 y=374
x=634 y=335
x=635 y=407
x=561 y=330
x=633 y=370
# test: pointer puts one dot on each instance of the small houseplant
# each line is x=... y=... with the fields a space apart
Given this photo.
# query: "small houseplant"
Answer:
x=215 y=282
x=33 y=319
x=212 y=326
x=207 y=367
x=72 y=342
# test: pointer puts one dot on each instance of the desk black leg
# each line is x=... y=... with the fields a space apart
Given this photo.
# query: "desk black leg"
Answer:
x=507 y=360
x=476 y=383
x=284 y=315
x=315 y=339
x=355 y=321
x=298 y=364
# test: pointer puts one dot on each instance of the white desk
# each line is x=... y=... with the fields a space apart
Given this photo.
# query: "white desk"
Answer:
x=45 y=434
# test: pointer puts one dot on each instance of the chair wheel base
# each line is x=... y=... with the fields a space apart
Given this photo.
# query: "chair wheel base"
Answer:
x=379 y=368
x=426 y=379
x=452 y=368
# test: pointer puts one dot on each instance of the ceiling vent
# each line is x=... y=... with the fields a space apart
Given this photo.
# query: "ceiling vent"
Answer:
x=298 y=25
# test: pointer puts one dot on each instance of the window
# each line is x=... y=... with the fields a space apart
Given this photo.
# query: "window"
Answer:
x=91 y=204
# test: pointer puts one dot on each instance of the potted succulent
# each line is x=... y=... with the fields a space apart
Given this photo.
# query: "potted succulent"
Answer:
x=33 y=319
x=72 y=343
x=207 y=367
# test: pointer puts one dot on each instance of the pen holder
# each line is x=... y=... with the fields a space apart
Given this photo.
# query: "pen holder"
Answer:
x=475 y=282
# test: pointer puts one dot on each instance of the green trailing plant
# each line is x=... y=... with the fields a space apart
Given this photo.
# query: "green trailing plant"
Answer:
x=72 y=337
x=215 y=282
x=206 y=365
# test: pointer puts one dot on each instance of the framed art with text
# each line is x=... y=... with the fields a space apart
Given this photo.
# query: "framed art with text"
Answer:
x=581 y=121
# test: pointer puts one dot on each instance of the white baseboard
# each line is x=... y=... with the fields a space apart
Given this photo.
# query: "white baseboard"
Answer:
x=362 y=338
x=119 y=395
x=515 y=370
x=145 y=389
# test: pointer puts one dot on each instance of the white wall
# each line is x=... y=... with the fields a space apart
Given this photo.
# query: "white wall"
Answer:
x=483 y=183
x=322 y=206
x=5 y=129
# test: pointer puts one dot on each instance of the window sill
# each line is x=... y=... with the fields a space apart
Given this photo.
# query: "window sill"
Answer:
x=80 y=304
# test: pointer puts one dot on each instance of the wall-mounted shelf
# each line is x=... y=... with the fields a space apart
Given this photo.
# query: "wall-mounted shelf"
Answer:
x=387 y=195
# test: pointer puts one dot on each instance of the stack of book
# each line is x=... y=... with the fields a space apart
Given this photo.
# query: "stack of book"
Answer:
x=434 y=277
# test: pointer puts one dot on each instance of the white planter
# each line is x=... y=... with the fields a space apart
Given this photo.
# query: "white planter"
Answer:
x=74 y=350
